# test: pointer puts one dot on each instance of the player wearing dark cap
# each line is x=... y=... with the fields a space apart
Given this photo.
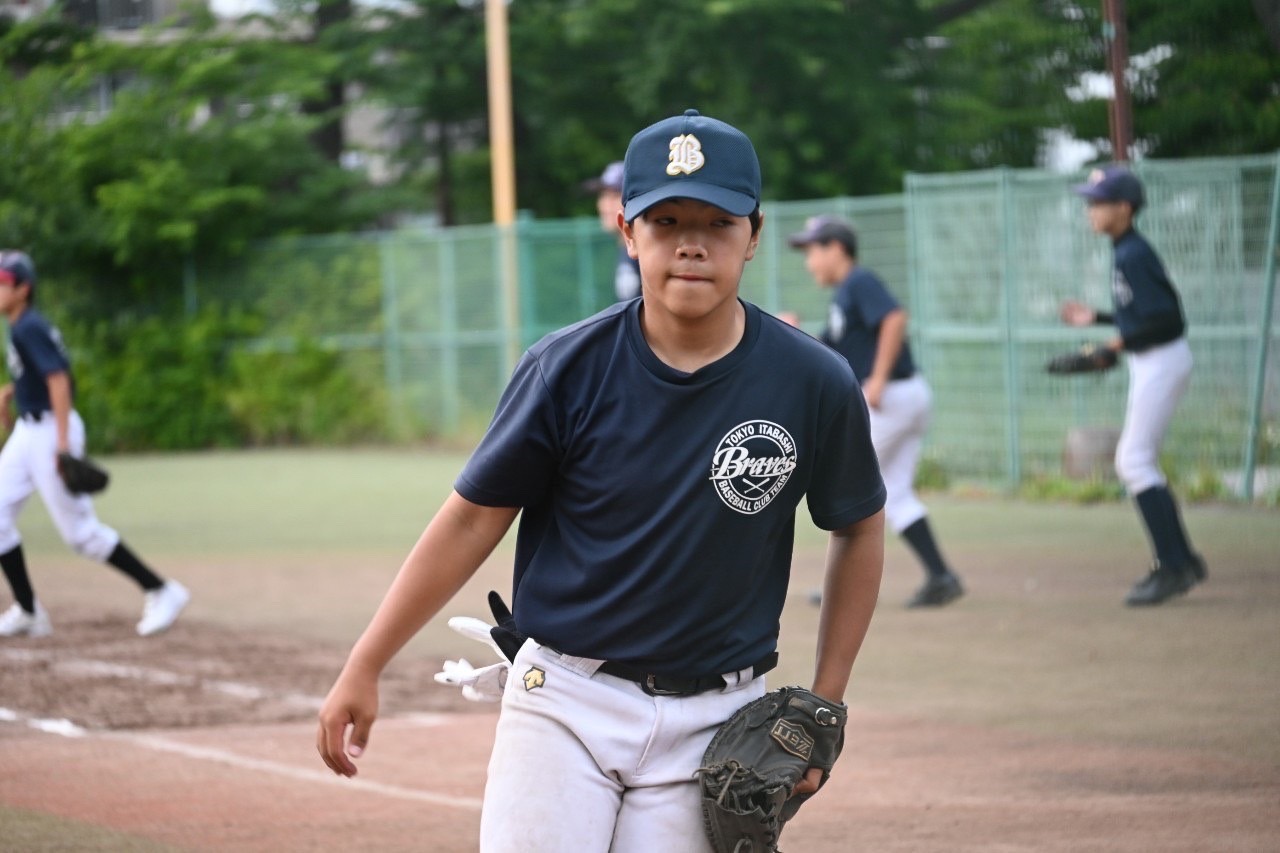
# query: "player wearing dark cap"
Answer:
x=868 y=327
x=47 y=424
x=608 y=191
x=656 y=453
x=1151 y=329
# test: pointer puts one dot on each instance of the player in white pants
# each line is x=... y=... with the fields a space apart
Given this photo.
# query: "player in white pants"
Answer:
x=43 y=391
x=656 y=453
x=1152 y=331
x=868 y=327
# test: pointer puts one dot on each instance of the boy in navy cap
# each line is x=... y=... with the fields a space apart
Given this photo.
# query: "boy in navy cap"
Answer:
x=1152 y=332
x=867 y=326
x=656 y=453
x=47 y=425
x=608 y=190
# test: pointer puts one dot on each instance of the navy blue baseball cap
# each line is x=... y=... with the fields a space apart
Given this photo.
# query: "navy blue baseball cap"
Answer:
x=19 y=266
x=1113 y=183
x=609 y=179
x=691 y=156
x=825 y=229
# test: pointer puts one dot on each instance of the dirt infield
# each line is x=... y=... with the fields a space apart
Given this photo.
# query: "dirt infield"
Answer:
x=1036 y=714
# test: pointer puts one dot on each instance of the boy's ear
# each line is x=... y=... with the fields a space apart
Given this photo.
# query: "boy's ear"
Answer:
x=628 y=235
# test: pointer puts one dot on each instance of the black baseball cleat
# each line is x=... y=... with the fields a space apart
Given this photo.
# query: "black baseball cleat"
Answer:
x=1159 y=586
x=937 y=591
x=1196 y=569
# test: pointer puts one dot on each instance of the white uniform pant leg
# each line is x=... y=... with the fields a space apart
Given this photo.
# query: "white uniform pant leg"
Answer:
x=1158 y=378
x=590 y=763
x=16 y=484
x=73 y=515
x=897 y=432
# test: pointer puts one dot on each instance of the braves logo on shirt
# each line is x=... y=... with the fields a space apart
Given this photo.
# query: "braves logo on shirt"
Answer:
x=1121 y=290
x=15 y=362
x=752 y=464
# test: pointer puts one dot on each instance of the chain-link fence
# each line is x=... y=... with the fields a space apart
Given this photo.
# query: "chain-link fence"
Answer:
x=981 y=261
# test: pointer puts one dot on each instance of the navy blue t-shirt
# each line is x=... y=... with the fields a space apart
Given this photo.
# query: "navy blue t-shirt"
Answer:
x=35 y=351
x=659 y=506
x=860 y=304
x=1147 y=309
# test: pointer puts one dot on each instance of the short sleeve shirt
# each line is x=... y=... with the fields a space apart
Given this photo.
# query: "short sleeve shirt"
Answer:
x=35 y=352
x=859 y=305
x=658 y=506
x=1143 y=295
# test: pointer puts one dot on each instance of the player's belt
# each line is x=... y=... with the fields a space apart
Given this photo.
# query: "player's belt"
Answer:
x=34 y=416
x=676 y=685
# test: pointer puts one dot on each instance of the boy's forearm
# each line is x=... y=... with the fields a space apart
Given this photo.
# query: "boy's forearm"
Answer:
x=459 y=538
x=59 y=385
x=893 y=331
x=855 y=562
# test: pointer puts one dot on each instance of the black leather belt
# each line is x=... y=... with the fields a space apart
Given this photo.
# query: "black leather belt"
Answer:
x=676 y=685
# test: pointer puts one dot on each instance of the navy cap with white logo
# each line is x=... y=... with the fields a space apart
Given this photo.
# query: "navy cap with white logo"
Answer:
x=825 y=229
x=691 y=156
x=18 y=267
x=1113 y=183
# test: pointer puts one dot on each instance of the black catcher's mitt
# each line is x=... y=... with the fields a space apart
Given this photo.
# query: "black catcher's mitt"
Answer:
x=1090 y=358
x=81 y=474
x=755 y=760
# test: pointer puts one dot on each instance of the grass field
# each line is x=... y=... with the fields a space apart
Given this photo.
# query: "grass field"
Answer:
x=302 y=545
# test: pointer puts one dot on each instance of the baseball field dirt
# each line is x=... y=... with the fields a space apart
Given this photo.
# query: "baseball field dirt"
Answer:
x=1035 y=714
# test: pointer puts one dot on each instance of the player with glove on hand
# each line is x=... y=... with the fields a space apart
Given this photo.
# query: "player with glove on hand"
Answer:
x=1152 y=333
x=45 y=453
x=656 y=454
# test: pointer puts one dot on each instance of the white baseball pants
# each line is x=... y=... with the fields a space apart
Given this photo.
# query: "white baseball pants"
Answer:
x=1158 y=378
x=590 y=763
x=28 y=463
x=897 y=432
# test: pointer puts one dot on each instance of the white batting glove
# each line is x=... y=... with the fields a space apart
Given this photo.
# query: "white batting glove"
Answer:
x=476 y=629
x=478 y=685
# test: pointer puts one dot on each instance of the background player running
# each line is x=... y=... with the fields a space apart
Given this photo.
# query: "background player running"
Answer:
x=657 y=453
x=868 y=327
x=1148 y=315
x=47 y=424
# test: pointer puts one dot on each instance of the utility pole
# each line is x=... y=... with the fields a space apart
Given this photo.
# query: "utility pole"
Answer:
x=1116 y=35
x=503 y=167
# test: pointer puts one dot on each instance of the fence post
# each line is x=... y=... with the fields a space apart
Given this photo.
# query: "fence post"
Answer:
x=391 y=361
x=1011 y=360
x=1264 y=340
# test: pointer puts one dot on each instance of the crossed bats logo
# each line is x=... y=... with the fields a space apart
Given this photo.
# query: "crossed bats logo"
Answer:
x=752 y=464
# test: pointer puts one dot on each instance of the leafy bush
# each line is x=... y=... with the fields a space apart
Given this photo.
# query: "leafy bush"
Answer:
x=302 y=396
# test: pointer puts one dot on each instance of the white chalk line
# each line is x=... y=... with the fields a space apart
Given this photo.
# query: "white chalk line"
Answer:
x=66 y=728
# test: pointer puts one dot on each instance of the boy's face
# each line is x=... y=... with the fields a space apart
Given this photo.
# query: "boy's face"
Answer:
x=1109 y=217
x=609 y=208
x=11 y=293
x=826 y=262
x=691 y=255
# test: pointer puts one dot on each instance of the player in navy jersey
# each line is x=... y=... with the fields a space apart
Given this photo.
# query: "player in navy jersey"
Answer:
x=867 y=326
x=656 y=453
x=1152 y=333
x=47 y=424
x=608 y=190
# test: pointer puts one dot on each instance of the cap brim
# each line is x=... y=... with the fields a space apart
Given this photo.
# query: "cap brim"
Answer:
x=804 y=238
x=730 y=201
x=1089 y=191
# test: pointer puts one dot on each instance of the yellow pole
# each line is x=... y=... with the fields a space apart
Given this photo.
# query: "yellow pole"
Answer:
x=501 y=145
x=503 y=168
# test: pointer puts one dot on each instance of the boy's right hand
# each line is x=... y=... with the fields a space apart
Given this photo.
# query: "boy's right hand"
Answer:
x=346 y=717
x=1077 y=313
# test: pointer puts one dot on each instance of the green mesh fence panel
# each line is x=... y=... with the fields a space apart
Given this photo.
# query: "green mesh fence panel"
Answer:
x=980 y=260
